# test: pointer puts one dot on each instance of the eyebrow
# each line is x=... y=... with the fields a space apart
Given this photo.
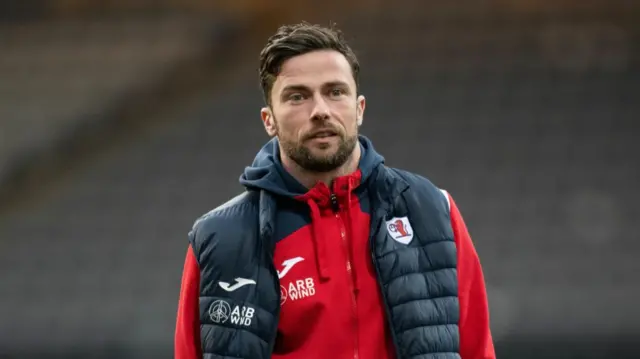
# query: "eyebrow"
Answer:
x=336 y=83
x=290 y=88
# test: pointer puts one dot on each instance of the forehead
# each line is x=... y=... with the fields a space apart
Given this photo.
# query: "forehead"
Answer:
x=313 y=69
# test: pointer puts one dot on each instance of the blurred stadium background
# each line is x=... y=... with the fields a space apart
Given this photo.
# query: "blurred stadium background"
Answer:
x=122 y=121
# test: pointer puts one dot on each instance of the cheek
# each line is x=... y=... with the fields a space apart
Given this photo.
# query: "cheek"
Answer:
x=348 y=114
x=289 y=123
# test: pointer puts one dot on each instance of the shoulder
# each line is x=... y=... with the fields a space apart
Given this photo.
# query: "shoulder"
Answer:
x=423 y=188
x=227 y=220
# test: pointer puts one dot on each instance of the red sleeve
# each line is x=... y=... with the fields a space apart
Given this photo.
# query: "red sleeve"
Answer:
x=475 y=334
x=187 y=335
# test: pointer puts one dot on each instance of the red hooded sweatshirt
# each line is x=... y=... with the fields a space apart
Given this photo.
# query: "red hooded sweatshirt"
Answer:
x=331 y=303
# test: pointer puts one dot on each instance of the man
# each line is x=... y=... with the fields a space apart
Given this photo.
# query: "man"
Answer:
x=329 y=253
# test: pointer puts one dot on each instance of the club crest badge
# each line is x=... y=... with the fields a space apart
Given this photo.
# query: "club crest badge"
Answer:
x=400 y=229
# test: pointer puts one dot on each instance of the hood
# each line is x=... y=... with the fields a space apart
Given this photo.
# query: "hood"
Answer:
x=267 y=173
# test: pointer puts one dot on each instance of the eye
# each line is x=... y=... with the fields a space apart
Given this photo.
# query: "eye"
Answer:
x=296 y=97
x=336 y=92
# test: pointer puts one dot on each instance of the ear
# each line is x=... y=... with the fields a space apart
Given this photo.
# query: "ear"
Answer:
x=361 y=103
x=268 y=121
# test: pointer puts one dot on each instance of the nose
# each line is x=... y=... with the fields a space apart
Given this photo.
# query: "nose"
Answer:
x=320 y=108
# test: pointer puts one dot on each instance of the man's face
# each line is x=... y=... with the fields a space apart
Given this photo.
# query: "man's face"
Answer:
x=315 y=111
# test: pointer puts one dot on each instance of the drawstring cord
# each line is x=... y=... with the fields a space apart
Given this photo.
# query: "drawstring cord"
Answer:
x=352 y=236
x=318 y=243
x=316 y=198
x=320 y=197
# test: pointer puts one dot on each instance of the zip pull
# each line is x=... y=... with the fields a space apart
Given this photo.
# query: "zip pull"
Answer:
x=334 y=203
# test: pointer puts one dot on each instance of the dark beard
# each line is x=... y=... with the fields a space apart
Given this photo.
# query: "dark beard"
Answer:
x=306 y=160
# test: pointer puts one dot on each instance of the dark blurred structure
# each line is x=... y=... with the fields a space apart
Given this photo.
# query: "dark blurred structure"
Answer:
x=122 y=121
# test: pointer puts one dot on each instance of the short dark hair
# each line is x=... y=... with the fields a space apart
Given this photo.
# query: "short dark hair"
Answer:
x=294 y=40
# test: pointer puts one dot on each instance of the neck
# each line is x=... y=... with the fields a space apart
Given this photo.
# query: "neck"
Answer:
x=309 y=179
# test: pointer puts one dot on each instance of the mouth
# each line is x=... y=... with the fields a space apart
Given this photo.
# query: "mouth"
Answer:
x=323 y=134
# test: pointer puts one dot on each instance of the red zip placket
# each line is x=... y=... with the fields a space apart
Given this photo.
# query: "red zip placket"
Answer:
x=352 y=289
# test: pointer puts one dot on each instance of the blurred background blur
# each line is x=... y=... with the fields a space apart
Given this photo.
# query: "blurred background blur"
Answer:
x=122 y=121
